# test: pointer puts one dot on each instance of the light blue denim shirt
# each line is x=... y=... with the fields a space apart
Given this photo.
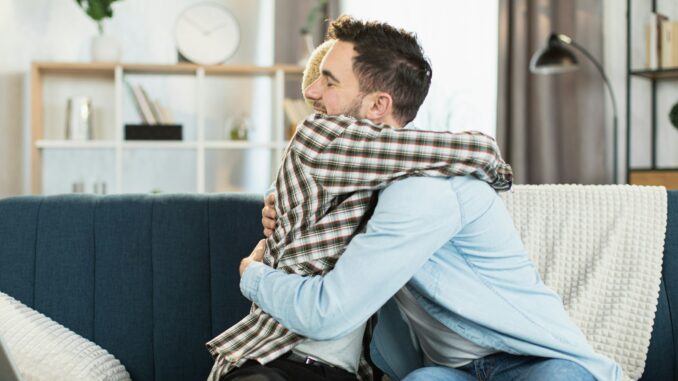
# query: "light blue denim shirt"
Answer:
x=453 y=243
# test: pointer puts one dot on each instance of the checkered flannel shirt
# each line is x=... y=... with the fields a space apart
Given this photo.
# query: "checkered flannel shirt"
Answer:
x=329 y=173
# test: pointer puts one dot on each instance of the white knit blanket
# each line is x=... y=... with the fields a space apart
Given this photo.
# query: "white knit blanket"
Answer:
x=600 y=248
x=44 y=350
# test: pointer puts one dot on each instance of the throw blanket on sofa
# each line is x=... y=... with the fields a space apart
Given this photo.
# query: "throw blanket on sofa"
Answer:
x=600 y=248
x=45 y=350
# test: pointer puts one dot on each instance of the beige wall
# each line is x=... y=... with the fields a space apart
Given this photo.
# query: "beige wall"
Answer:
x=11 y=120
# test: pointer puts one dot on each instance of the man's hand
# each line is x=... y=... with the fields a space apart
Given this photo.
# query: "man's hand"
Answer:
x=268 y=215
x=257 y=255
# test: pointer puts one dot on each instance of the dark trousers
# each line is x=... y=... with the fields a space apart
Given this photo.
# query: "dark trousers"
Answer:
x=283 y=369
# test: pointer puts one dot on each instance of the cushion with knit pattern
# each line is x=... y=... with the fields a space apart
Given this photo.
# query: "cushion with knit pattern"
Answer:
x=45 y=350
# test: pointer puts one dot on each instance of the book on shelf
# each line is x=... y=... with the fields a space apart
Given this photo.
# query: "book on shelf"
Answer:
x=157 y=114
x=142 y=104
x=162 y=114
x=669 y=44
x=151 y=111
x=296 y=110
x=167 y=116
x=653 y=41
x=151 y=106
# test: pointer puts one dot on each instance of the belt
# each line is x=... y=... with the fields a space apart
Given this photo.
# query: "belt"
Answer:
x=308 y=360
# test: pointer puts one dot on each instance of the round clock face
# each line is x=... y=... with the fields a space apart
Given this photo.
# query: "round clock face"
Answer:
x=207 y=34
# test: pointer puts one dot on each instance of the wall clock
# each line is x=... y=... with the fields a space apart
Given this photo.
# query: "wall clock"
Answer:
x=207 y=33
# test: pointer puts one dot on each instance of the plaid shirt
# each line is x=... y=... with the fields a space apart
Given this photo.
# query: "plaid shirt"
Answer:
x=324 y=189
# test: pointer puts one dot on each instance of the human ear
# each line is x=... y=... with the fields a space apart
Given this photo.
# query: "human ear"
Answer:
x=380 y=105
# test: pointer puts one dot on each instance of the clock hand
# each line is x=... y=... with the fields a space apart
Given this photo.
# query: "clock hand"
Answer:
x=216 y=28
x=195 y=24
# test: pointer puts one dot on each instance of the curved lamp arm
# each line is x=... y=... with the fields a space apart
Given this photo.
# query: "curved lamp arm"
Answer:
x=567 y=40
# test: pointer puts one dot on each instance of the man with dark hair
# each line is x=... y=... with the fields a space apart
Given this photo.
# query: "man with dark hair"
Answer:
x=386 y=60
x=464 y=300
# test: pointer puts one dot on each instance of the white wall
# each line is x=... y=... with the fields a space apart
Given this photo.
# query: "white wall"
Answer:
x=41 y=30
x=460 y=37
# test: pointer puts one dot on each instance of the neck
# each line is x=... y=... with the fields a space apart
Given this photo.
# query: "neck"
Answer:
x=389 y=120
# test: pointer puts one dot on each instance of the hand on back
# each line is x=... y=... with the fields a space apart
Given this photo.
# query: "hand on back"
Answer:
x=268 y=215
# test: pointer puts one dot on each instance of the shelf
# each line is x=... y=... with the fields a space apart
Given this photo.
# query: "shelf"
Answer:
x=671 y=73
x=230 y=144
x=251 y=70
x=190 y=157
x=43 y=144
x=74 y=68
x=160 y=69
x=159 y=144
x=667 y=177
x=163 y=69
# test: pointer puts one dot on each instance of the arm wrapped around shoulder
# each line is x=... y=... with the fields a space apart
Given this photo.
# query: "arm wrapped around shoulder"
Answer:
x=347 y=155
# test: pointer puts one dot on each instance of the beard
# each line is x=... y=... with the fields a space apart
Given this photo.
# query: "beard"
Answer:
x=352 y=110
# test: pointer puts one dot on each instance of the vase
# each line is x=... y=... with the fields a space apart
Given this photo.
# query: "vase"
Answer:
x=105 y=49
x=308 y=43
x=79 y=118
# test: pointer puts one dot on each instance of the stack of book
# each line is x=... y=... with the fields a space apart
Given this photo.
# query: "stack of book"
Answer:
x=150 y=111
x=296 y=110
x=661 y=36
x=157 y=120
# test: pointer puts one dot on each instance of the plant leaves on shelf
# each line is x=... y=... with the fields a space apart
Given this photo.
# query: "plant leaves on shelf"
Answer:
x=673 y=115
x=97 y=10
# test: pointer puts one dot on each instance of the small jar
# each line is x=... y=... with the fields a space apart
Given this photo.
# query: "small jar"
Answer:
x=240 y=128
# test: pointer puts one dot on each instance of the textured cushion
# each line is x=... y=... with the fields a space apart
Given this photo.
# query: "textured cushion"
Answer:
x=45 y=350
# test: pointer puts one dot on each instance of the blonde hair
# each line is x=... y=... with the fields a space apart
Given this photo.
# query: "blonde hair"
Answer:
x=312 y=70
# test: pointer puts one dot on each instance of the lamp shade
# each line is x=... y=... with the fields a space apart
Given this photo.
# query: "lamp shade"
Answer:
x=558 y=58
x=554 y=58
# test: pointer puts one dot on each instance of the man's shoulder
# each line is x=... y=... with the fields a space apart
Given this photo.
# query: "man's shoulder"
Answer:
x=434 y=191
x=434 y=198
x=418 y=193
x=432 y=185
x=419 y=185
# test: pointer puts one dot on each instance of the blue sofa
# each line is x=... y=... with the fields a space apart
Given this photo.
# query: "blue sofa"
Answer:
x=151 y=278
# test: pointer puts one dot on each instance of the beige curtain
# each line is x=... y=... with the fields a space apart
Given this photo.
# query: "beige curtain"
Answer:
x=552 y=128
x=290 y=17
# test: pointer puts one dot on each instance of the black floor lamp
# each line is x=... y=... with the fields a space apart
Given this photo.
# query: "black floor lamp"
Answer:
x=558 y=58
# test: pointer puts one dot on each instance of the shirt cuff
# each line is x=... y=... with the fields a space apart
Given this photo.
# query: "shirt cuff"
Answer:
x=270 y=190
x=249 y=282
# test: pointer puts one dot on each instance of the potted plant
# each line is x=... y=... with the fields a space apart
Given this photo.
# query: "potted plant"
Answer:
x=306 y=31
x=104 y=48
x=673 y=115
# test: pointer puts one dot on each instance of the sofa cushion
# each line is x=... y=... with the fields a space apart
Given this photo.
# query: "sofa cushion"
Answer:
x=45 y=350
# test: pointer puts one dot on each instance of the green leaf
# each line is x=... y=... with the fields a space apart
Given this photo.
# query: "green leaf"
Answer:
x=673 y=115
x=97 y=10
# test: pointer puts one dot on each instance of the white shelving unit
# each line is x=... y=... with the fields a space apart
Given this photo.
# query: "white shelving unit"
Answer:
x=115 y=75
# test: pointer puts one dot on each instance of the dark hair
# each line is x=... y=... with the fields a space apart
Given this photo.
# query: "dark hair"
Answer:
x=388 y=59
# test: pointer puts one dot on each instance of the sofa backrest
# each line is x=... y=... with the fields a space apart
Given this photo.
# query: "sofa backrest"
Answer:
x=152 y=278
x=662 y=357
x=149 y=278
